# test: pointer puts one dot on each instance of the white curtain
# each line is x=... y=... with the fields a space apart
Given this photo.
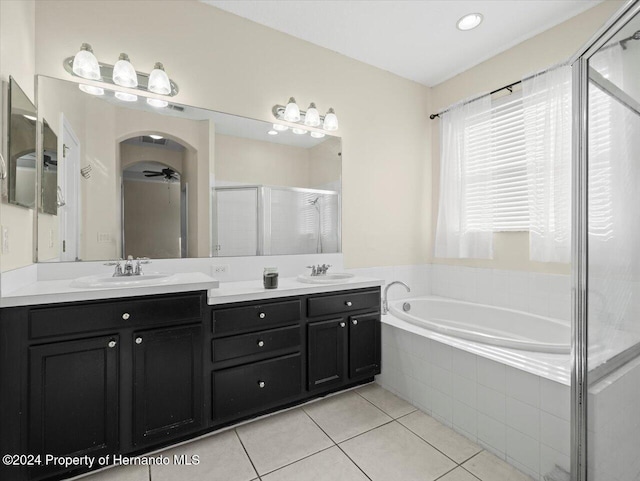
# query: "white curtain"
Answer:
x=465 y=132
x=547 y=125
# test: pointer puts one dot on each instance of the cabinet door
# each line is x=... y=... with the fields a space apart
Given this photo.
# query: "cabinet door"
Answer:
x=74 y=399
x=364 y=345
x=327 y=352
x=168 y=383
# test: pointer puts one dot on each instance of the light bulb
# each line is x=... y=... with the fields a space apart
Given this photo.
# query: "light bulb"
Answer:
x=273 y=132
x=30 y=117
x=299 y=131
x=312 y=117
x=157 y=103
x=123 y=72
x=159 y=80
x=469 y=21
x=330 y=121
x=292 y=111
x=280 y=127
x=85 y=63
x=125 y=97
x=91 y=90
x=317 y=135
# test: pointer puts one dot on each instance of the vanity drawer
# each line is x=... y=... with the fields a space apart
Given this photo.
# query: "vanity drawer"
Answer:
x=342 y=303
x=256 y=387
x=253 y=318
x=262 y=342
x=57 y=321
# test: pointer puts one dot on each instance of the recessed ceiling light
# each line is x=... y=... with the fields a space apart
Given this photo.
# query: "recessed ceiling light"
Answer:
x=155 y=136
x=470 y=21
x=272 y=132
x=280 y=127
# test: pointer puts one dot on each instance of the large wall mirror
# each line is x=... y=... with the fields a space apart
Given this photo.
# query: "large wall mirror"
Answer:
x=177 y=181
x=21 y=178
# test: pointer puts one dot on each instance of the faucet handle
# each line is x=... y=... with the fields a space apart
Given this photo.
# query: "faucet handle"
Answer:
x=143 y=260
x=114 y=262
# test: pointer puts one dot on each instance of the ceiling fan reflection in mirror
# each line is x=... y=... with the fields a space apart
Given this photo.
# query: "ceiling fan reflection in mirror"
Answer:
x=169 y=174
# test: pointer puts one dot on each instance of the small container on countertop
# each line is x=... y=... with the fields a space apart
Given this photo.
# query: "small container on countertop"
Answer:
x=270 y=278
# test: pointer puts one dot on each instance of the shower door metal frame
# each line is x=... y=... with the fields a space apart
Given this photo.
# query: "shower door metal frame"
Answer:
x=580 y=246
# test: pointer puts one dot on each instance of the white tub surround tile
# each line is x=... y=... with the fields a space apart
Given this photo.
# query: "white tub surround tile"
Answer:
x=492 y=435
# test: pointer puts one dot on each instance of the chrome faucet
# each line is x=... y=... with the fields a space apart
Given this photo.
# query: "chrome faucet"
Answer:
x=385 y=301
x=129 y=269
x=319 y=270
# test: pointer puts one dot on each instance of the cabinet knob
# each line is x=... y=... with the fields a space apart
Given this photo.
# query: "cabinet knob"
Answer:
x=126 y=316
x=262 y=315
x=354 y=322
x=342 y=324
x=348 y=303
x=260 y=343
x=112 y=344
x=261 y=384
x=138 y=340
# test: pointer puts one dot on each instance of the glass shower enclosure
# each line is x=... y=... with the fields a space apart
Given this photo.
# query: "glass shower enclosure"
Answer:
x=606 y=253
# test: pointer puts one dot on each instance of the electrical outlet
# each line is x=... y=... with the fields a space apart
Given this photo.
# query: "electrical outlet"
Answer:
x=5 y=240
x=104 y=238
x=223 y=269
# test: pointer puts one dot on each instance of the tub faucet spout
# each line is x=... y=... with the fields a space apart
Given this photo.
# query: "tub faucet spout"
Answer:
x=385 y=301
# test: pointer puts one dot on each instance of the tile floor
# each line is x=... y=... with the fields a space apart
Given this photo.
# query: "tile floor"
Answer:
x=367 y=434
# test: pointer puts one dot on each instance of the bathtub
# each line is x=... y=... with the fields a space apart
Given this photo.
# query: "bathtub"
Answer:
x=486 y=324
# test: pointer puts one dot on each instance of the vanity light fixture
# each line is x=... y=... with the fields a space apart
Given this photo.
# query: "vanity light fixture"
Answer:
x=317 y=135
x=273 y=132
x=280 y=127
x=312 y=118
x=91 y=89
x=85 y=65
x=125 y=97
x=470 y=21
x=298 y=131
x=123 y=72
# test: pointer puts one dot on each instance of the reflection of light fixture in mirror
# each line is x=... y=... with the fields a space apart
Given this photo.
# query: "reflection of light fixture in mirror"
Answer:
x=125 y=97
x=159 y=80
x=299 y=131
x=273 y=132
x=330 y=121
x=123 y=72
x=469 y=22
x=85 y=63
x=156 y=136
x=30 y=117
x=91 y=90
x=157 y=103
x=280 y=127
x=292 y=111
x=317 y=135
x=312 y=116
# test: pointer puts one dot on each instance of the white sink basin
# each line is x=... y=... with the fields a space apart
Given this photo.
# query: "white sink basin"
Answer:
x=334 y=278
x=103 y=280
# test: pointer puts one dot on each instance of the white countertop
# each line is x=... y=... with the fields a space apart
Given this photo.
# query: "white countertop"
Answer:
x=241 y=291
x=48 y=292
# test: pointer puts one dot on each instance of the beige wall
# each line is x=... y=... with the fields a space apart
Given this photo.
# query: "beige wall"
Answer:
x=511 y=249
x=226 y=63
x=17 y=58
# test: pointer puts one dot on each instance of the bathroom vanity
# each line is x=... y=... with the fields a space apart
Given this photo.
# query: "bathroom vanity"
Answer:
x=132 y=374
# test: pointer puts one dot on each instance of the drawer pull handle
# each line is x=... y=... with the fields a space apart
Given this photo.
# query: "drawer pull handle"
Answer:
x=261 y=384
x=126 y=316
x=262 y=315
x=260 y=343
x=354 y=322
x=138 y=340
x=349 y=303
x=342 y=324
x=112 y=344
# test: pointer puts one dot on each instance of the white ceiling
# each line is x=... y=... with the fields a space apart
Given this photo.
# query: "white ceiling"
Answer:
x=417 y=39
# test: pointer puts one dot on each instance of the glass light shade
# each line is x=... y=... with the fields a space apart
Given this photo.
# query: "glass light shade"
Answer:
x=330 y=121
x=123 y=72
x=317 y=135
x=157 y=103
x=91 y=90
x=85 y=63
x=470 y=21
x=299 y=131
x=159 y=80
x=272 y=132
x=292 y=111
x=280 y=127
x=312 y=117
x=125 y=97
